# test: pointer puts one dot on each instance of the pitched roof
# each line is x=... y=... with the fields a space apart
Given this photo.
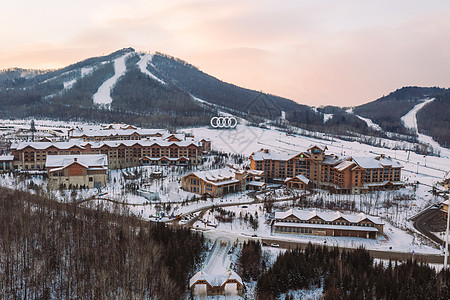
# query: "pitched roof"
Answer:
x=300 y=177
x=326 y=216
x=272 y=155
x=88 y=160
x=376 y=162
x=217 y=177
x=344 y=165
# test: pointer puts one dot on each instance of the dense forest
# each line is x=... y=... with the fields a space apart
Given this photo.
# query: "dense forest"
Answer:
x=350 y=275
x=434 y=119
x=50 y=250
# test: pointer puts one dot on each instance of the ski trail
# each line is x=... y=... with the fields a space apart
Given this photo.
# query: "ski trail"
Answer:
x=410 y=121
x=103 y=95
x=368 y=121
x=143 y=63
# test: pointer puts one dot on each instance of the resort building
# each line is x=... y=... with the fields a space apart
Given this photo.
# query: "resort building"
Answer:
x=312 y=222
x=338 y=173
x=219 y=182
x=121 y=154
x=66 y=171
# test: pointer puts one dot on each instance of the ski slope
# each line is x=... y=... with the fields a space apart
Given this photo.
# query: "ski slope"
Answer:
x=143 y=63
x=410 y=121
x=103 y=95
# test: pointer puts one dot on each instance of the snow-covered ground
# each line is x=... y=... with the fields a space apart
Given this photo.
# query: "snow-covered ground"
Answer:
x=103 y=95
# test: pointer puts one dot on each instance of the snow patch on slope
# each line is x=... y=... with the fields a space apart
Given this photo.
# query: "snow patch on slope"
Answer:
x=327 y=117
x=103 y=95
x=143 y=63
x=370 y=123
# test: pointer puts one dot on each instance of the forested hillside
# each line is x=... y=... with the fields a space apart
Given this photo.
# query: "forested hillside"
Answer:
x=388 y=110
x=434 y=119
x=140 y=99
x=60 y=251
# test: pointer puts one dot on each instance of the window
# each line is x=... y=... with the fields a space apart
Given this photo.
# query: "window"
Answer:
x=91 y=179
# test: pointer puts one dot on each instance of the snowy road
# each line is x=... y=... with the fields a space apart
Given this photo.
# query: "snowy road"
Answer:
x=218 y=263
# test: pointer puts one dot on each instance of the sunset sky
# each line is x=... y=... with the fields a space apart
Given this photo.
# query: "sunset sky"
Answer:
x=315 y=52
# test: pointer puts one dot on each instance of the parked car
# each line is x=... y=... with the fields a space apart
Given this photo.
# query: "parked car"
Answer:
x=275 y=245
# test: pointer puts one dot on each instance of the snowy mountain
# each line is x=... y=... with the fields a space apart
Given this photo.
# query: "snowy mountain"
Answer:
x=157 y=89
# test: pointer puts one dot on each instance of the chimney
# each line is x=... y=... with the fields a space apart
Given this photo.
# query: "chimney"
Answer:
x=266 y=151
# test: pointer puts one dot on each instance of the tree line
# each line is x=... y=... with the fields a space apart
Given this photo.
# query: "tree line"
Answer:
x=344 y=274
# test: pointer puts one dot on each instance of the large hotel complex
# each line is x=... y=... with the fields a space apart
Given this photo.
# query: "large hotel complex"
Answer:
x=123 y=148
x=315 y=168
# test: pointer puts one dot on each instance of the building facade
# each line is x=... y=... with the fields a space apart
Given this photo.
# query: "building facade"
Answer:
x=121 y=154
x=327 y=224
x=338 y=173
x=66 y=171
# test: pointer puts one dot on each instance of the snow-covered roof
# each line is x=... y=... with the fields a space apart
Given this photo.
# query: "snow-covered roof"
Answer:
x=257 y=183
x=300 y=177
x=376 y=162
x=334 y=159
x=305 y=215
x=255 y=172
x=164 y=158
x=218 y=176
x=95 y=145
x=344 y=165
x=326 y=226
x=321 y=147
x=91 y=132
x=216 y=279
x=265 y=154
x=88 y=160
x=143 y=143
x=6 y=158
x=46 y=145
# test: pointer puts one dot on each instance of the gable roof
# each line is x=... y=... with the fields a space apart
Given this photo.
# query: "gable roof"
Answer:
x=87 y=160
x=376 y=162
x=306 y=215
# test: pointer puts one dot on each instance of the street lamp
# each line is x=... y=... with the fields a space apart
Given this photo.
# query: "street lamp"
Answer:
x=446 y=231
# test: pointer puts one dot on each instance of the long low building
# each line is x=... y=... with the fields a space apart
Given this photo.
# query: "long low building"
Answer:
x=312 y=222
x=121 y=154
x=66 y=171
